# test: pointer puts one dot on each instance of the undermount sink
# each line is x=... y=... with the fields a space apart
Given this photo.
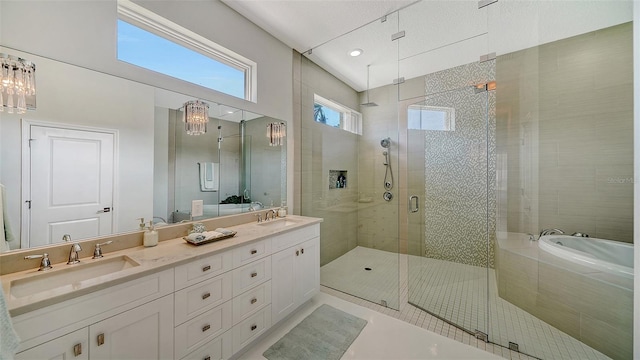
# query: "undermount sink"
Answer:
x=69 y=275
x=279 y=223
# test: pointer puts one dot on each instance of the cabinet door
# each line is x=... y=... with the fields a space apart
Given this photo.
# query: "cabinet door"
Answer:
x=145 y=332
x=283 y=293
x=72 y=346
x=307 y=270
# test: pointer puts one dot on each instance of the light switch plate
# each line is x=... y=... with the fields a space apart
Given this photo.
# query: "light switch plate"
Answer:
x=197 y=207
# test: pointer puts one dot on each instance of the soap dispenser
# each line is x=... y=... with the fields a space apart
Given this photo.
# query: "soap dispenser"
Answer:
x=150 y=237
x=282 y=212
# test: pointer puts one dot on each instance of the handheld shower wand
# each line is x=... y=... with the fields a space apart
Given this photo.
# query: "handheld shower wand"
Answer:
x=388 y=174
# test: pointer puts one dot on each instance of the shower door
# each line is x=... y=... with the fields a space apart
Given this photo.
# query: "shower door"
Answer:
x=448 y=224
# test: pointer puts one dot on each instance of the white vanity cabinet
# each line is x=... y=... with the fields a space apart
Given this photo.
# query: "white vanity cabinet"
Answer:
x=296 y=270
x=145 y=332
x=134 y=318
x=71 y=346
x=209 y=308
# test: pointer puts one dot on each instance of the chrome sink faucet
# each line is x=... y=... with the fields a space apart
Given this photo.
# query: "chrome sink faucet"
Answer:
x=45 y=263
x=266 y=216
x=74 y=258
x=97 y=252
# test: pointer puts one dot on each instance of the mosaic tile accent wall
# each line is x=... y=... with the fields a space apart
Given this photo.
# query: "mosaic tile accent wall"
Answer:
x=460 y=168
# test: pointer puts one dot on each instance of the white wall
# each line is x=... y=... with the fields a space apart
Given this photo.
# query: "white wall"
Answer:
x=84 y=33
x=67 y=95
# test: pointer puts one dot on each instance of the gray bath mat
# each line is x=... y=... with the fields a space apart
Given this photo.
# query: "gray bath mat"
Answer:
x=323 y=335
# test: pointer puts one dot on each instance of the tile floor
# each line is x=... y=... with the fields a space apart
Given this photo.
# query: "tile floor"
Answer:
x=382 y=338
x=456 y=292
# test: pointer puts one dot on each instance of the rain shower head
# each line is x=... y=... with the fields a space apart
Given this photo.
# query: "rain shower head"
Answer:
x=368 y=103
x=385 y=143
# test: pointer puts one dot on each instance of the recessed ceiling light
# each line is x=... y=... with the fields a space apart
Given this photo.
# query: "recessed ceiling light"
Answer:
x=355 y=52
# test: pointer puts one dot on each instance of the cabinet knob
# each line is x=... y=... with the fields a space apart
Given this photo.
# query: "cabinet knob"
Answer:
x=253 y=327
x=297 y=252
x=254 y=274
x=100 y=339
x=205 y=296
x=207 y=358
x=206 y=327
x=206 y=268
x=254 y=300
x=77 y=349
x=254 y=251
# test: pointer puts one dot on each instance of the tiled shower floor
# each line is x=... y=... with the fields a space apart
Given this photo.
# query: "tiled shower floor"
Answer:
x=454 y=291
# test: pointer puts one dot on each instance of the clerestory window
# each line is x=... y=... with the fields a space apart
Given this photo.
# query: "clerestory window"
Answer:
x=150 y=41
x=336 y=115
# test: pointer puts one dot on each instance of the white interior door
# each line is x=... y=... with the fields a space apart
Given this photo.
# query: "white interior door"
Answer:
x=71 y=174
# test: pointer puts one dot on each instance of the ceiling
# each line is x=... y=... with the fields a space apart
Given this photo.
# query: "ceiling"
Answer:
x=307 y=24
x=440 y=34
x=315 y=24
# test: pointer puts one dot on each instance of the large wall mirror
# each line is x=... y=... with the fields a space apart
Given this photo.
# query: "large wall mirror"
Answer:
x=101 y=152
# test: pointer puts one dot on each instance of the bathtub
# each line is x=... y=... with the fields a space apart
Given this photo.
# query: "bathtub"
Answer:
x=608 y=256
x=210 y=211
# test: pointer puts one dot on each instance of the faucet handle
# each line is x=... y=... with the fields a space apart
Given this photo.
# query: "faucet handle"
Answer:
x=97 y=252
x=66 y=238
x=45 y=264
x=259 y=216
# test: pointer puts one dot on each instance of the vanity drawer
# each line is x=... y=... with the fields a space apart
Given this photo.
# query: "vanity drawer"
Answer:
x=198 y=298
x=250 y=302
x=202 y=269
x=251 y=328
x=202 y=329
x=250 y=275
x=216 y=349
x=254 y=251
x=289 y=239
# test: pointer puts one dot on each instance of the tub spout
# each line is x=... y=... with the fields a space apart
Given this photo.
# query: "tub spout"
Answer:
x=550 y=232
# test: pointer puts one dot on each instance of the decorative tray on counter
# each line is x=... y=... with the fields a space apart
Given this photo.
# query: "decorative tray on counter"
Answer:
x=211 y=238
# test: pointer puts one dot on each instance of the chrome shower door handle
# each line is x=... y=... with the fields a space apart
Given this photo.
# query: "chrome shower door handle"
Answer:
x=416 y=208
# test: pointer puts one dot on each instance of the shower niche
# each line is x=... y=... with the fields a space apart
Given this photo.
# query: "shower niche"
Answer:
x=337 y=179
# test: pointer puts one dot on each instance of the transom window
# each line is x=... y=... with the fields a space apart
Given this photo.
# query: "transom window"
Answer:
x=150 y=41
x=336 y=115
x=422 y=117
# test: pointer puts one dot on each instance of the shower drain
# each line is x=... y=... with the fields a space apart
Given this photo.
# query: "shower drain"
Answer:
x=368 y=268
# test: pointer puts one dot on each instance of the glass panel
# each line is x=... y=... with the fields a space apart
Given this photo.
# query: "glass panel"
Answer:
x=448 y=218
x=344 y=173
x=564 y=108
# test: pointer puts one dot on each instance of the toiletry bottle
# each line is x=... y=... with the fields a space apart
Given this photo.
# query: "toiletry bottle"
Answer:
x=150 y=236
x=282 y=212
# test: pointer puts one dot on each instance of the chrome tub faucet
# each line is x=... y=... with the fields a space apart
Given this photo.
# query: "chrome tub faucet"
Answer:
x=550 y=232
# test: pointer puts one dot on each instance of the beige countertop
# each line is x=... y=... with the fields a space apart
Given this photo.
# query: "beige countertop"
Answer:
x=165 y=255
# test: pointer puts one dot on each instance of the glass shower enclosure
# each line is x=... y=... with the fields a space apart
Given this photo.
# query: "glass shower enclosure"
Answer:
x=449 y=224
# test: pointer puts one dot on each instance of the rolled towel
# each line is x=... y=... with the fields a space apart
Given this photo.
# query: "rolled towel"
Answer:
x=209 y=235
x=225 y=231
x=196 y=237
